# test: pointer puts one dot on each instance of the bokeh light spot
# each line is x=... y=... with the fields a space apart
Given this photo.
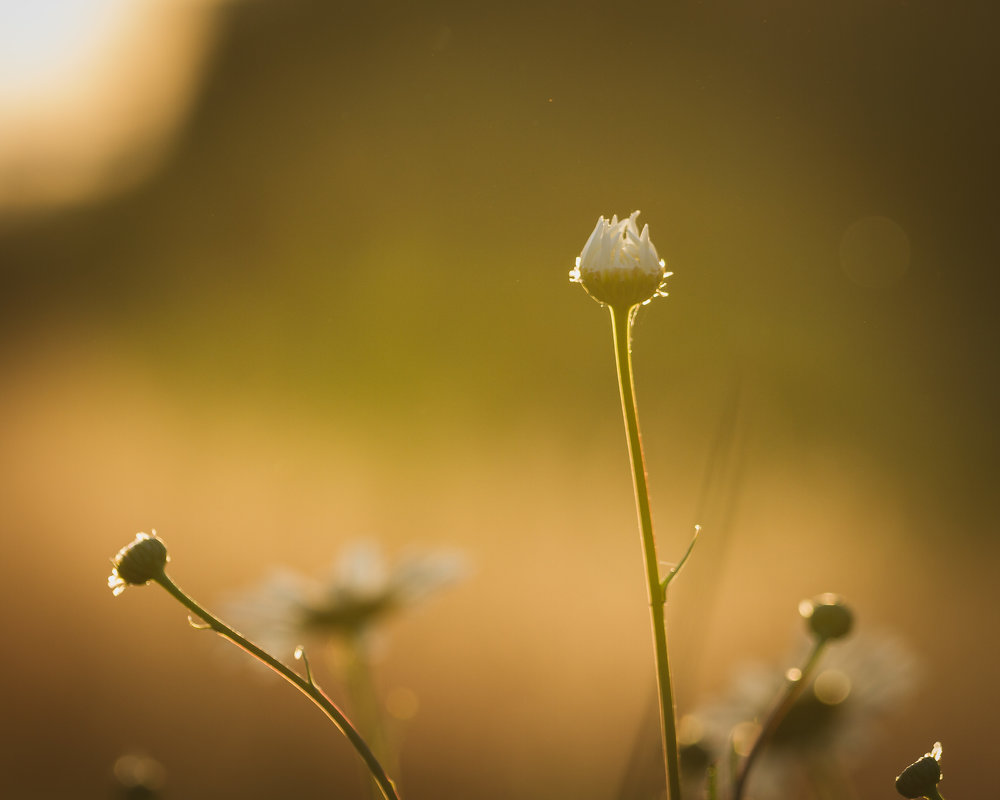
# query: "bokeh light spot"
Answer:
x=744 y=735
x=832 y=687
x=132 y=771
x=690 y=729
x=402 y=703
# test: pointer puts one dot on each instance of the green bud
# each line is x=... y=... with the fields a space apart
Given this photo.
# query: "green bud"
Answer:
x=138 y=562
x=828 y=616
x=921 y=778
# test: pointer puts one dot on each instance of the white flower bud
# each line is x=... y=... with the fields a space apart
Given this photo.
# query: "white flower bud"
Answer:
x=619 y=266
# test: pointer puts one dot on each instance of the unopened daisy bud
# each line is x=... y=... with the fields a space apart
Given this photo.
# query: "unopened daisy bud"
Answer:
x=619 y=266
x=828 y=616
x=138 y=562
x=921 y=778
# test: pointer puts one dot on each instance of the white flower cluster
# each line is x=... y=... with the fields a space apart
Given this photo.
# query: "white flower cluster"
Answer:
x=831 y=725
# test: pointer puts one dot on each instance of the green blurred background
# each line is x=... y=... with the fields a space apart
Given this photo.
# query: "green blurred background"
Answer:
x=286 y=274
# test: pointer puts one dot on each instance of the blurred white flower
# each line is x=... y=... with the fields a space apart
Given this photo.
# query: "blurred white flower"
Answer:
x=829 y=727
x=619 y=265
x=359 y=590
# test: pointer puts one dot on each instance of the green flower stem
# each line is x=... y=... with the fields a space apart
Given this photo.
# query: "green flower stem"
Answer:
x=793 y=688
x=307 y=687
x=621 y=323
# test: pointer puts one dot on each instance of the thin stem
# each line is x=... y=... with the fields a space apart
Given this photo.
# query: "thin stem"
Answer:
x=712 y=783
x=793 y=688
x=674 y=571
x=621 y=323
x=307 y=687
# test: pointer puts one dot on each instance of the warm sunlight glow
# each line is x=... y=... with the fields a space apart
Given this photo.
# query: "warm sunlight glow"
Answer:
x=46 y=46
x=90 y=91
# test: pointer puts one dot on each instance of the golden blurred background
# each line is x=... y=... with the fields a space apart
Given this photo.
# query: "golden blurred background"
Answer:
x=279 y=275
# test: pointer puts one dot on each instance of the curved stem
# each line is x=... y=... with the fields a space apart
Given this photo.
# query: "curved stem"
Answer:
x=307 y=687
x=793 y=688
x=621 y=323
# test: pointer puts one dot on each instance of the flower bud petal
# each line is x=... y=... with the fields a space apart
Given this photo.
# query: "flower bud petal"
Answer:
x=618 y=265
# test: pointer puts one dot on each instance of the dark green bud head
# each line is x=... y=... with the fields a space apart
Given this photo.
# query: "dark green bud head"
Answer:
x=140 y=561
x=827 y=616
x=921 y=778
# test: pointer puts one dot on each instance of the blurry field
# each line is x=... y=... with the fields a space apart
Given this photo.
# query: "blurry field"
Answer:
x=333 y=304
